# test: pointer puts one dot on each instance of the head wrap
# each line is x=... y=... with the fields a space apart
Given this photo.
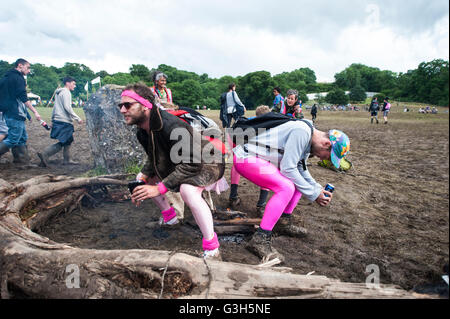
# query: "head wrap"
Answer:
x=138 y=98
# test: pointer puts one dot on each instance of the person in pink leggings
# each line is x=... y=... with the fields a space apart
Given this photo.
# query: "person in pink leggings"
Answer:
x=275 y=159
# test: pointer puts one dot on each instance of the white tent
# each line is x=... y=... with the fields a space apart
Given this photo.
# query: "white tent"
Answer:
x=33 y=96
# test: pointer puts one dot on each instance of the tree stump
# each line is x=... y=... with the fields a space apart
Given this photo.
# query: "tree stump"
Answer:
x=33 y=266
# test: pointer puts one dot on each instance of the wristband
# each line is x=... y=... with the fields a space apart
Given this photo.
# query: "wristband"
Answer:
x=162 y=189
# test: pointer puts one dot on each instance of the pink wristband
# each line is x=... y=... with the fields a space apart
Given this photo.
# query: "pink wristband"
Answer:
x=162 y=189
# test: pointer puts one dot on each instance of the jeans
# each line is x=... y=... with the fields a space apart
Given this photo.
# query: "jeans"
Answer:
x=17 y=133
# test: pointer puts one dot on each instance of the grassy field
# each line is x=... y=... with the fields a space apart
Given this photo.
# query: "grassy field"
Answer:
x=397 y=108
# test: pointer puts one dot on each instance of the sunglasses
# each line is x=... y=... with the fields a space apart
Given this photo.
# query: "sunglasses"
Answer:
x=127 y=105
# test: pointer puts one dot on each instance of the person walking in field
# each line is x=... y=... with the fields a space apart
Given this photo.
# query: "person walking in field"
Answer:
x=62 y=124
x=373 y=110
x=386 y=109
x=314 y=112
x=14 y=103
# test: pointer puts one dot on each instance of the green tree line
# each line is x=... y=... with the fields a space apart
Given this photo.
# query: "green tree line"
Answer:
x=428 y=83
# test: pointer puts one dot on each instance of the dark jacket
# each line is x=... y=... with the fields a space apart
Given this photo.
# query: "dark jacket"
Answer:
x=192 y=168
x=13 y=89
x=374 y=107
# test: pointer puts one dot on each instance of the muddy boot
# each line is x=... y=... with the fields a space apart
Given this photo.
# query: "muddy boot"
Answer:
x=3 y=148
x=371 y=120
x=376 y=120
x=260 y=211
x=284 y=226
x=233 y=203
x=49 y=151
x=233 y=200
x=20 y=154
x=66 y=155
x=261 y=246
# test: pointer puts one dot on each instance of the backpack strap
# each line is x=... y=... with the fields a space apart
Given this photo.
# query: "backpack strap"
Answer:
x=312 y=131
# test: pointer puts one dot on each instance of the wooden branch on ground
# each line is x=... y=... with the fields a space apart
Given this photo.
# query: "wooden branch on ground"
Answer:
x=33 y=266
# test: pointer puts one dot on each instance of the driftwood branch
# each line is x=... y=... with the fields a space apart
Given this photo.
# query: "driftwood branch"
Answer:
x=33 y=266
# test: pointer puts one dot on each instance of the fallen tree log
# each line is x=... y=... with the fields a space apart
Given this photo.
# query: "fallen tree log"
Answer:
x=33 y=266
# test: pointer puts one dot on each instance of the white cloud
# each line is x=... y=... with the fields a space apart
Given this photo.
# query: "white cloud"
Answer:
x=222 y=39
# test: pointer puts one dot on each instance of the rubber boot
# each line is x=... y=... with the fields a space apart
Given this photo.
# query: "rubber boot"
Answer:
x=20 y=154
x=284 y=226
x=49 y=151
x=66 y=155
x=371 y=120
x=3 y=148
x=261 y=246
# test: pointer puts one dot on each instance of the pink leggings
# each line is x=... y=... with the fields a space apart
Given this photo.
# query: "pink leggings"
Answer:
x=266 y=175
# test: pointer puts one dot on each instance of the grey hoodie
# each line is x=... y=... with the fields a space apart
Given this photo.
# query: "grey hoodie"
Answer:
x=62 y=111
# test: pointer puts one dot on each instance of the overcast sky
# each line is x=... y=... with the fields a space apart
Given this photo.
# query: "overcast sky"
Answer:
x=226 y=37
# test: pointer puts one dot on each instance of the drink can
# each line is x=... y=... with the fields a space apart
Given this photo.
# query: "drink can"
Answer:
x=329 y=188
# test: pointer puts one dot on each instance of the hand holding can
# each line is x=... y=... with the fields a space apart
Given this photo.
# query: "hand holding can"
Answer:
x=329 y=188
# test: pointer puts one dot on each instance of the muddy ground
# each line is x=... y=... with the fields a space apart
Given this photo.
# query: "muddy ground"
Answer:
x=389 y=210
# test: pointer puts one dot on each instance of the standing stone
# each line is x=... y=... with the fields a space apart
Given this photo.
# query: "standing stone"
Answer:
x=113 y=144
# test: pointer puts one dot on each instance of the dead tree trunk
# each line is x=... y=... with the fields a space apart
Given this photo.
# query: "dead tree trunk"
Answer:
x=32 y=266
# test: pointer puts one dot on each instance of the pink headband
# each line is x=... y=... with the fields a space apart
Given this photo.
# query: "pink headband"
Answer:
x=138 y=98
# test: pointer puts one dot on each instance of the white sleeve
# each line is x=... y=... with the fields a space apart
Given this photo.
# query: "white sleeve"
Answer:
x=291 y=167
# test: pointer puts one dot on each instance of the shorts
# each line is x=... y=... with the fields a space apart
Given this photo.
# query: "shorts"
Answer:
x=385 y=112
x=63 y=132
x=373 y=113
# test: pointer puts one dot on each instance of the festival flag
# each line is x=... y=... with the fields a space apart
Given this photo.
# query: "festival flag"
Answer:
x=96 y=80
x=86 y=87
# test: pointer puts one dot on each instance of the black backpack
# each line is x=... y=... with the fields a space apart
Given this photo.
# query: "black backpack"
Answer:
x=266 y=121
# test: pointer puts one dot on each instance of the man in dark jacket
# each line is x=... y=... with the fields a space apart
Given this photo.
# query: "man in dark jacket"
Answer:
x=14 y=101
x=373 y=109
x=179 y=160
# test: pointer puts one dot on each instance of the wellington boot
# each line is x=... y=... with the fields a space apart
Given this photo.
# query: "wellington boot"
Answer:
x=3 y=148
x=20 y=154
x=49 y=151
x=66 y=155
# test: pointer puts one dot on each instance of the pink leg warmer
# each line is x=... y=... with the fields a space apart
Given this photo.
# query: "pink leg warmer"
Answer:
x=211 y=244
x=266 y=175
x=169 y=214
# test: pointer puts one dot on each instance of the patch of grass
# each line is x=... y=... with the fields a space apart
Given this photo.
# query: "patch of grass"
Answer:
x=46 y=113
x=96 y=171
x=132 y=168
